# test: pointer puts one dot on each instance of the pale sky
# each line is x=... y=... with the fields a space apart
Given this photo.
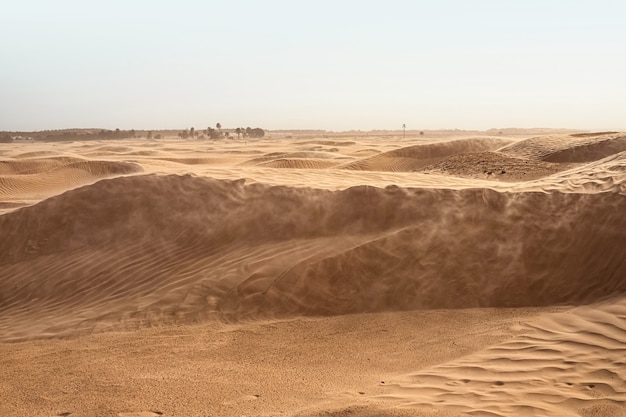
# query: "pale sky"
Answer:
x=334 y=65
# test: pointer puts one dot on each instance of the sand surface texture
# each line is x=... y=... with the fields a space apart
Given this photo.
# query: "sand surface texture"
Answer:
x=314 y=276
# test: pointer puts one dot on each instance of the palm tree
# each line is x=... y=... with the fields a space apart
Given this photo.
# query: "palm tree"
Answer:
x=238 y=132
x=219 y=126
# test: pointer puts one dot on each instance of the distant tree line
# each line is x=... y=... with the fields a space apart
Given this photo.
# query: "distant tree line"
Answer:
x=106 y=134
x=149 y=135
x=219 y=133
x=82 y=134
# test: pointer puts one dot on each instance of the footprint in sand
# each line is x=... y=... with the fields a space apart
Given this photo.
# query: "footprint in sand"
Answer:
x=141 y=414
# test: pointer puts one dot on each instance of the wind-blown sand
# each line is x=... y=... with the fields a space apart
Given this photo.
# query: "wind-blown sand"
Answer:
x=309 y=277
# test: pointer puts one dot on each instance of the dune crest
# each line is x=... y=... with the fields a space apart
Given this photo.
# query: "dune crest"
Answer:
x=411 y=158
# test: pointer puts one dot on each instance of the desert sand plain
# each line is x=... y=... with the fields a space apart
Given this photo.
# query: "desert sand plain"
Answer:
x=314 y=276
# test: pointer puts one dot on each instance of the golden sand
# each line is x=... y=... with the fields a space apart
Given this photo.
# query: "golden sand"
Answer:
x=348 y=276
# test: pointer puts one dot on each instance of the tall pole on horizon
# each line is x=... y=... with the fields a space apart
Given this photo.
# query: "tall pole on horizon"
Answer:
x=403 y=131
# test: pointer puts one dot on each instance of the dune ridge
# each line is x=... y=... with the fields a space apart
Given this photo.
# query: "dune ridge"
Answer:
x=46 y=176
x=495 y=165
x=297 y=251
x=411 y=158
x=568 y=148
x=19 y=166
x=305 y=155
x=300 y=164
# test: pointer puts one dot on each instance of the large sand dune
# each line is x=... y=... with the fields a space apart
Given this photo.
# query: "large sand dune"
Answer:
x=365 y=277
x=411 y=158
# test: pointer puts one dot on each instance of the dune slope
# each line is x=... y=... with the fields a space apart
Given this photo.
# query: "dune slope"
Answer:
x=144 y=249
x=410 y=158
x=569 y=148
x=21 y=177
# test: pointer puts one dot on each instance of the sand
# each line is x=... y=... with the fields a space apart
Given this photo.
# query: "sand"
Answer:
x=314 y=276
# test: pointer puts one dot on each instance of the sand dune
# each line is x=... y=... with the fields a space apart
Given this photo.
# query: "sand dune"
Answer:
x=300 y=164
x=370 y=277
x=37 y=154
x=328 y=142
x=414 y=157
x=605 y=175
x=281 y=156
x=301 y=251
x=591 y=151
x=569 y=148
x=20 y=166
x=495 y=165
x=198 y=161
x=532 y=158
x=44 y=177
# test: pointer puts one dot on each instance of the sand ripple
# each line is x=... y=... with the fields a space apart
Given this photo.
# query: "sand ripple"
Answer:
x=564 y=365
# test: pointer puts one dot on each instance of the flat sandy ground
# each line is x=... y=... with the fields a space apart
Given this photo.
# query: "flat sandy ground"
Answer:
x=314 y=276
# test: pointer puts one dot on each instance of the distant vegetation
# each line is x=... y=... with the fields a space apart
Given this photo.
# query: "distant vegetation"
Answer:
x=219 y=133
x=105 y=134
x=89 y=135
x=69 y=134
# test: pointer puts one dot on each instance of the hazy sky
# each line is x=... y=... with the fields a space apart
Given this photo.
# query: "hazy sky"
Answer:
x=335 y=65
